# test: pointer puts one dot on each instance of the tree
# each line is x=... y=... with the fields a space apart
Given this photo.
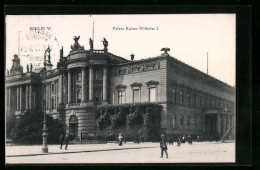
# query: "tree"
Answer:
x=28 y=128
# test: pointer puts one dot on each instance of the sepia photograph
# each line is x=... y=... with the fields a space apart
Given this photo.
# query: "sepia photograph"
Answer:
x=128 y=88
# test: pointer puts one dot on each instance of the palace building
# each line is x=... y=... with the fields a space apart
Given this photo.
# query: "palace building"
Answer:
x=193 y=102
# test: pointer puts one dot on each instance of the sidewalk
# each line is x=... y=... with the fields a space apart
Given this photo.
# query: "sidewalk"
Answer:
x=34 y=150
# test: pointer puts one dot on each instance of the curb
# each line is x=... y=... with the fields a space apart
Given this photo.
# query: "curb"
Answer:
x=53 y=153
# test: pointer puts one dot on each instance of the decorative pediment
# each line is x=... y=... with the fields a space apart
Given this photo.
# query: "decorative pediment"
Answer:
x=152 y=82
x=121 y=86
x=136 y=84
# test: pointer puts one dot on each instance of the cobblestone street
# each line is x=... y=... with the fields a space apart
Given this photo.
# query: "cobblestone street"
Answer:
x=128 y=153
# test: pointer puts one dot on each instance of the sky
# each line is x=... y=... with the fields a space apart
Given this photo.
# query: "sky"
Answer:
x=189 y=36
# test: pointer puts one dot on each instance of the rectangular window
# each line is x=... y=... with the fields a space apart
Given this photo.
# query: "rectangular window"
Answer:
x=181 y=97
x=52 y=87
x=121 y=97
x=188 y=99
x=173 y=96
x=195 y=100
x=181 y=121
x=152 y=94
x=79 y=77
x=52 y=103
x=98 y=95
x=194 y=123
x=136 y=95
x=99 y=75
x=200 y=101
x=78 y=96
x=188 y=122
x=173 y=121
x=206 y=102
x=226 y=107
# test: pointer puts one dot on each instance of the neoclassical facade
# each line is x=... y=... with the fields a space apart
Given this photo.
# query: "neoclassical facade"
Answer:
x=193 y=102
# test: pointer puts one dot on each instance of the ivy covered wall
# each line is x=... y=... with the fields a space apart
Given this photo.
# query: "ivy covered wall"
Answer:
x=138 y=120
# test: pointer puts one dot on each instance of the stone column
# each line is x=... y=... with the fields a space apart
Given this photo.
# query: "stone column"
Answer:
x=30 y=97
x=17 y=98
x=83 y=84
x=91 y=83
x=21 y=98
x=69 y=86
x=50 y=103
x=105 y=84
x=9 y=98
x=34 y=98
x=26 y=98
x=60 y=87
x=6 y=98
x=56 y=94
x=224 y=124
x=228 y=122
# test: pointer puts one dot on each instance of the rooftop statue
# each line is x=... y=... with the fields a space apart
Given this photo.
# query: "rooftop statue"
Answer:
x=31 y=67
x=105 y=43
x=91 y=43
x=76 y=46
x=27 y=68
x=132 y=57
x=165 y=50
x=16 y=67
x=61 y=51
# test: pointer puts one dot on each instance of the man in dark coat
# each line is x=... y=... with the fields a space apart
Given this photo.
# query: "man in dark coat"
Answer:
x=179 y=141
x=189 y=140
x=61 y=140
x=67 y=139
x=163 y=146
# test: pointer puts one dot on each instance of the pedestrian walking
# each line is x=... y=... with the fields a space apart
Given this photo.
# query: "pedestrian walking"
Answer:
x=183 y=139
x=179 y=141
x=120 y=139
x=198 y=139
x=67 y=139
x=61 y=140
x=189 y=140
x=163 y=146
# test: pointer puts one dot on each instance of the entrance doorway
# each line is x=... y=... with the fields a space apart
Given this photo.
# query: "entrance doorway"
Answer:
x=211 y=124
x=73 y=127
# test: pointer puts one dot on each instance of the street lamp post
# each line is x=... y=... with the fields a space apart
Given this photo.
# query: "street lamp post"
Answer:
x=44 y=130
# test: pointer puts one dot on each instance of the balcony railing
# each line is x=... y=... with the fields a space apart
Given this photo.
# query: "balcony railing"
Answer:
x=98 y=51
x=74 y=104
